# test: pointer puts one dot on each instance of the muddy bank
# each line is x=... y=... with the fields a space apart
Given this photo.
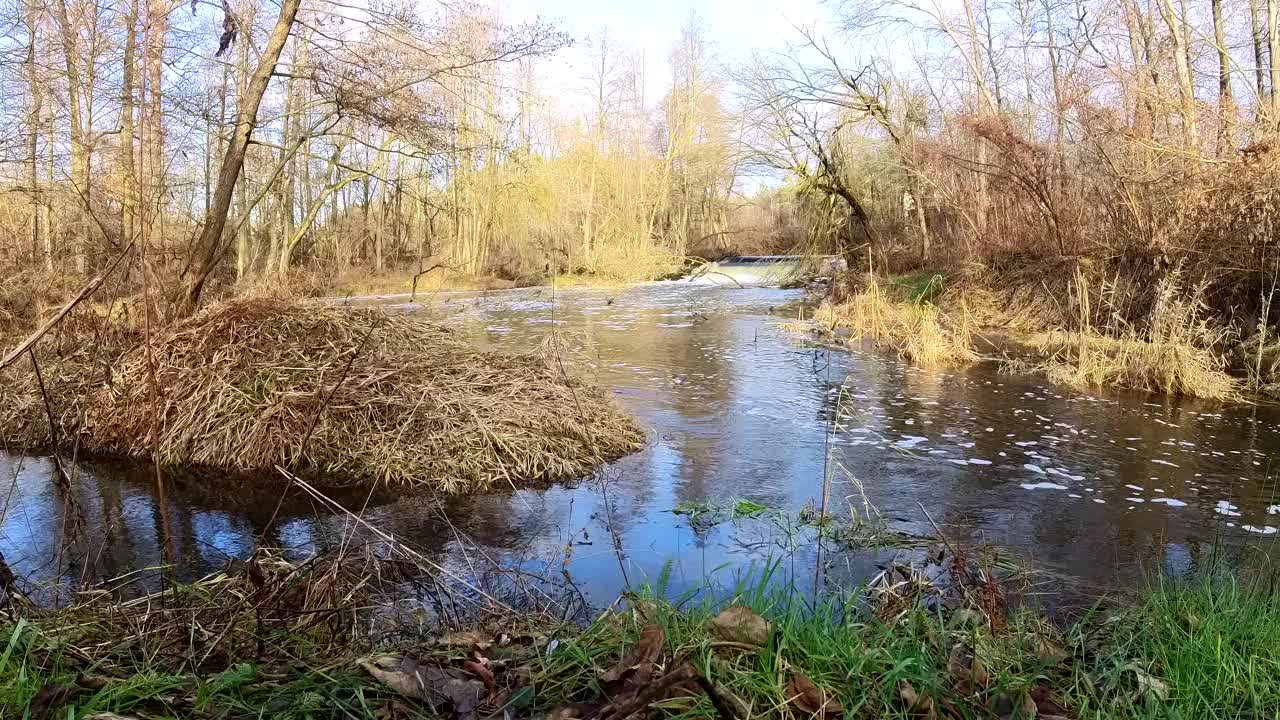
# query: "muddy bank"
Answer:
x=351 y=396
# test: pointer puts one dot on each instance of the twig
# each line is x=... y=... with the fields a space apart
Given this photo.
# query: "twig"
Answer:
x=954 y=552
x=85 y=292
x=650 y=694
x=413 y=294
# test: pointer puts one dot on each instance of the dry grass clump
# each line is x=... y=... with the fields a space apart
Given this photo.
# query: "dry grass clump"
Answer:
x=917 y=331
x=1173 y=354
x=1090 y=360
x=351 y=395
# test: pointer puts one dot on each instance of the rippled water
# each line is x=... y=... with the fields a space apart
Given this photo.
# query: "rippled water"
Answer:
x=1099 y=487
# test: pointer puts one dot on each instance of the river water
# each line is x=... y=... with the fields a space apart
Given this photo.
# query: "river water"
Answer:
x=1100 y=489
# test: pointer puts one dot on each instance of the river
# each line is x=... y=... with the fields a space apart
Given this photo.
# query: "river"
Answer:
x=1099 y=489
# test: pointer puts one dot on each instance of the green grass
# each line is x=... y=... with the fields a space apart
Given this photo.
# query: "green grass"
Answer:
x=1201 y=650
x=840 y=646
x=1208 y=648
x=35 y=663
x=1215 y=645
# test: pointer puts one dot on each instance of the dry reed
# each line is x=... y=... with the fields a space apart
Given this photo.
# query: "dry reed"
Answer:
x=917 y=331
x=1172 y=354
x=256 y=383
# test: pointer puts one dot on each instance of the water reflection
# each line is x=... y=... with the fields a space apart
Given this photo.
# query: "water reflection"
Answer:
x=1100 y=488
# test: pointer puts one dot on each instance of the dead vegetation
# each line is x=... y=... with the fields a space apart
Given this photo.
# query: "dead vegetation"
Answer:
x=1071 y=321
x=349 y=395
x=917 y=330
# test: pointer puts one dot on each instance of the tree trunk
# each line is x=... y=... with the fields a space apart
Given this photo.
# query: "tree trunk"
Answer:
x=1256 y=31
x=35 y=108
x=1226 y=106
x=1181 y=67
x=1143 y=110
x=209 y=248
x=79 y=147
x=129 y=191
x=1273 y=51
x=153 y=125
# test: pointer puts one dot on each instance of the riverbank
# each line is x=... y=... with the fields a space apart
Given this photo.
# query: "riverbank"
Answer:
x=947 y=638
x=1078 y=338
x=345 y=395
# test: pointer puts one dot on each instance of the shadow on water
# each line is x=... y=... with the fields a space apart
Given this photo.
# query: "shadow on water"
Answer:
x=1098 y=488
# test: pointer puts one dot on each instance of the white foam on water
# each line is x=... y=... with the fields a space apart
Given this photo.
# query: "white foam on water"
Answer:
x=1100 y=501
x=1073 y=495
x=1134 y=500
x=1273 y=509
x=1043 y=486
x=1165 y=462
x=1034 y=468
x=1136 y=487
x=979 y=461
x=1171 y=502
x=1264 y=530
x=1225 y=508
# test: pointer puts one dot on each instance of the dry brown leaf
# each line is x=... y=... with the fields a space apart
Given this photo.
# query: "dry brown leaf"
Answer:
x=94 y=682
x=428 y=682
x=481 y=671
x=1149 y=685
x=645 y=610
x=809 y=698
x=646 y=652
x=740 y=625
x=49 y=697
x=1048 y=706
x=1048 y=650
x=916 y=702
x=466 y=639
x=967 y=671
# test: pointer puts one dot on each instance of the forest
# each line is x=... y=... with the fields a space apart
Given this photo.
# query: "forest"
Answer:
x=323 y=145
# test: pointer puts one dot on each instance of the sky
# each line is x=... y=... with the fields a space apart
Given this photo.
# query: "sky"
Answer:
x=735 y=29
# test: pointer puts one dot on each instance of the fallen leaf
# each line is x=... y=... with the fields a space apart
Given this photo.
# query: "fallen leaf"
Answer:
x=741 y=625
x=1149 y=685
x=916 y=702
x=94 y=682
x=466 y=639
x=646 y=651
x=481 y=671
x=1048 y=650
x=802 y=693
x=48 y=697
x=1047 y=705
x=428 y=682
x=967 y=671
x=645 y=610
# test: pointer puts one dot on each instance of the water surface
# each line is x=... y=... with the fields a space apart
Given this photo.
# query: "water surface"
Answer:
x=1099 y=488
